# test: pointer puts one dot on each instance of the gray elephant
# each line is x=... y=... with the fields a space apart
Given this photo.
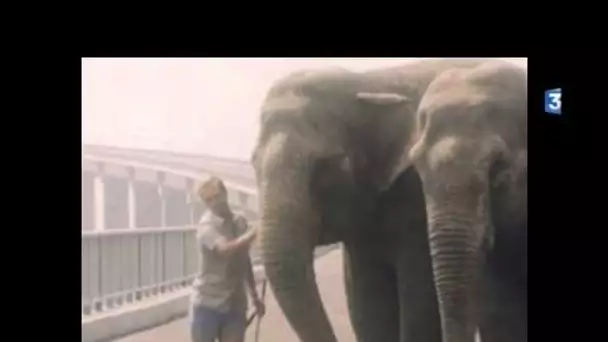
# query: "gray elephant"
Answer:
x=421 y=171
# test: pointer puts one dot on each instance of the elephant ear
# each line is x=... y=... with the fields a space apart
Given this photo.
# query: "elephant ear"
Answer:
x=402 y=160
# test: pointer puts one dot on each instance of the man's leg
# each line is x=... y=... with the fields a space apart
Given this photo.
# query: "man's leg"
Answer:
x=204 y=324
x=233 y=329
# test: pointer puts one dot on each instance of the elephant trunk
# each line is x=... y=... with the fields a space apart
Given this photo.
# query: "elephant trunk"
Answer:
x=458 y=223
x=288 y=234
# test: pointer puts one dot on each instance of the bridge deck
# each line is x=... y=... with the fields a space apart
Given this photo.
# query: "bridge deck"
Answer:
x=274 y=327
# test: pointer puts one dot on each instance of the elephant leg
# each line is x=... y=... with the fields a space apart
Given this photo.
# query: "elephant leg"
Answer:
x=372 y=296
x=503 y=311
x=419 y=312
x=504 y=314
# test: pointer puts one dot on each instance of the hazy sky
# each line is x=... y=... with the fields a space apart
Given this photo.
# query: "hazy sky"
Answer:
x=202 y=106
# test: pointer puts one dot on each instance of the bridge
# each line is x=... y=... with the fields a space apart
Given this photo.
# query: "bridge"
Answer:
x=139 y=256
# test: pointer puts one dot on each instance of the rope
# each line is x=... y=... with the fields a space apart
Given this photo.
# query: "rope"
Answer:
x=254 y=314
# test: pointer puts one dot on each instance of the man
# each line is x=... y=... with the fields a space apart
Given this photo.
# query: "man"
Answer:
x=219 y=303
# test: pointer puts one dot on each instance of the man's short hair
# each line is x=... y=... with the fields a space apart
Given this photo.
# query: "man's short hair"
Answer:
x=212 y=187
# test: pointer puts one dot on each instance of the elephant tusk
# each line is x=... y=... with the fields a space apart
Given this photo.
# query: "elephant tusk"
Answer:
x=382 y=98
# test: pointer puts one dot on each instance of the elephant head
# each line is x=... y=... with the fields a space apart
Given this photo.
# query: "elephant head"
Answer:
x=323 y=153
x=473 y=125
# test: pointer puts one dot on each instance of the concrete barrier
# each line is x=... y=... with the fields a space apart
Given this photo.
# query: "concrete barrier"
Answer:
x=142 y=316
x=134 y=318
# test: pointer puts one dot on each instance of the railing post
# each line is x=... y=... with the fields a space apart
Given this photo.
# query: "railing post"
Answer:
x=132 y=198
x=163 y=200
x=138 y=293
x=184 y=252
x=190 y=200
x=163 y=261
x=99 y=198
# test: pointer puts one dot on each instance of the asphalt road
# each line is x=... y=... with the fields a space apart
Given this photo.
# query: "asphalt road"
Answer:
x=274 y=327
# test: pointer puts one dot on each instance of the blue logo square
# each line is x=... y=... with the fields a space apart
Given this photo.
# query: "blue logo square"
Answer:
x=553 y=101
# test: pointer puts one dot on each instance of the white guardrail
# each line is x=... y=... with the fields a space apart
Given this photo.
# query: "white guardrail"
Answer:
x=126 y=266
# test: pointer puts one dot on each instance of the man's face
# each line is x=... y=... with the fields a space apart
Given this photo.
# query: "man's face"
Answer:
x=218 y=203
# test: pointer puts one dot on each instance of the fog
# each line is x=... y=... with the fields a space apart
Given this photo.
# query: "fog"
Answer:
x=200 y=106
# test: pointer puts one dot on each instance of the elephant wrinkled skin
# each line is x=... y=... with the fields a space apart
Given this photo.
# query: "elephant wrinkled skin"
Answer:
x=421 y=171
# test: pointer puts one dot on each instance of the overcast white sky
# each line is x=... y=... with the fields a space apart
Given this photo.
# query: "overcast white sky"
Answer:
x=201 y=106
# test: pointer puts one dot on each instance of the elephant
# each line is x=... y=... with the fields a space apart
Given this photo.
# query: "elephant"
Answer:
x=389 y=282
x=421 y=171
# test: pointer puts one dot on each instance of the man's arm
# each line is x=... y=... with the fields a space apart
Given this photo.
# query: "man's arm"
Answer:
x=243 y=226
x=226 y=248
x=249 y=275
x=250 y=279
x=260 y=308
x=223 y=247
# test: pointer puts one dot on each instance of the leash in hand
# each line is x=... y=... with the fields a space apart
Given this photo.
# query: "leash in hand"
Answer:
x=252 y=316
x=257 y=329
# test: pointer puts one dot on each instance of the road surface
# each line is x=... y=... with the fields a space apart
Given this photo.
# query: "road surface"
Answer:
x=274 y=327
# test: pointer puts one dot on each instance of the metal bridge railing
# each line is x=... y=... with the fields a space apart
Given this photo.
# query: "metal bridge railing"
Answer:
x=129 y=265
x=125 y=266
x=122 y=267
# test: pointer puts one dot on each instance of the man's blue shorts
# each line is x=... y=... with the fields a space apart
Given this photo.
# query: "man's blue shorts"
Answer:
x=207 y=325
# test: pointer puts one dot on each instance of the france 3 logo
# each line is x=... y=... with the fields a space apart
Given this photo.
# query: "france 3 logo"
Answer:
x=553 y=101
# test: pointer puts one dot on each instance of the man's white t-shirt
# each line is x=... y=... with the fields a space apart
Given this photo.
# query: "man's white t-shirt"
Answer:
x=220 y=282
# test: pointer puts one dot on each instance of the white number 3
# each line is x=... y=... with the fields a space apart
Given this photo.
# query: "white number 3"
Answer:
x=555 y=101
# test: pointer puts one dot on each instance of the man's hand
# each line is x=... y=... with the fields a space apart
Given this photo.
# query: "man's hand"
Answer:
x=260 y=308
x=242 y=242
x=250 y=235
